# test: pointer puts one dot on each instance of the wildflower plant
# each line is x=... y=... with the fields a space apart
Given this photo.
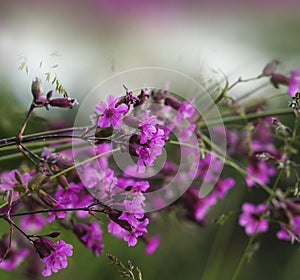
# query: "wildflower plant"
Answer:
x=159 y=146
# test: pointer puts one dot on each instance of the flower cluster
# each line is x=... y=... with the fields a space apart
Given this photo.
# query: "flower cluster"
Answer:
x=167 y=161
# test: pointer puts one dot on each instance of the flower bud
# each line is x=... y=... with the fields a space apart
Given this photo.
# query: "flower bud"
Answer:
x=131 y=121
x=279 y=79
x=36 y=88
x=63 y=102
x=270 y=68
x=173 y=102
x=44 y=246
x=47 y=199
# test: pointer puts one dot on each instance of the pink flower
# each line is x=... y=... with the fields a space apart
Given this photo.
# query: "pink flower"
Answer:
x=111 y=115
x=147 y=126
x=294 y=82
x=139 y=230
x=93 y=238
x=291 y=231
x=261 y=171
x=14 y=257
x=33 y=223
x=251 y=218
x=152 y=244
x=53 y=254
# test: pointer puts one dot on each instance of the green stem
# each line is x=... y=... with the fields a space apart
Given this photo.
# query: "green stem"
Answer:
x=248 y=117
x=55 y=149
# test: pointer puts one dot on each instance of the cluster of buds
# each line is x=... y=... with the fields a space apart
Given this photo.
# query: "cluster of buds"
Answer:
x=41 y=101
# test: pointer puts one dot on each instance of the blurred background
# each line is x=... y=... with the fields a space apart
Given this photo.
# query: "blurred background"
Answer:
x=92 y=40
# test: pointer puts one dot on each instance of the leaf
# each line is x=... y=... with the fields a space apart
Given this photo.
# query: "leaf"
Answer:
x=48 y=76
x=54 y=80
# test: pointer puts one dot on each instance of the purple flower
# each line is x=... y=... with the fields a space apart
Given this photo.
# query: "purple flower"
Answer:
x=53 y=254
x=147 y=156
x=116 y=230
x=134 y=211
x=152 y=244
x=14 y=257
x=202 y=207
x=261 y=171
x=139 y=230
x=294 y=82
x=185 y=111
x=91 y=235
x=33 y=223
x=209 y=168
x=291 y=231
x=111 y=115
x=10 y=179
x=223 y=186
x=147 y=126
x=252 y=219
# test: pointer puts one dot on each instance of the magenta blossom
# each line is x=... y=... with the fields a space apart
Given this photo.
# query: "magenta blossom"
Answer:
x=294 y=82
x=109 y=114
x=290 y=232
x=147 y=126
x=93 y=238
x=33 y=223
x=53 y=254
x=261 y=171
x=14 y=257
x=152 y=244
x=252 y=219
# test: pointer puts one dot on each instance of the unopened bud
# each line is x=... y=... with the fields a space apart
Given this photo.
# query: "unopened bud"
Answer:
x=131 y=121
x=44 y=246
x=278 y=79
x=270 y=68
x=47 y=199
x=173 y=102
x=37 y=181
x=36 y=88
x=63 y=102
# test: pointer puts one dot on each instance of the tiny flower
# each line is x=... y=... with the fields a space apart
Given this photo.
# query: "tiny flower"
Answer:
x=109 y=113
x=53 y=254
x=261 y=171
x=252 y=219
x=14 y=257
x=147 y=126
x=202 y=207
x=90 y=234
x=139 y=230
x=294 y=83
x=152 y=244
x=223 y=186
x=33 y=223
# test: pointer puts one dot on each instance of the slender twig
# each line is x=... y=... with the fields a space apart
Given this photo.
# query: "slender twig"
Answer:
x=87 y=208
x=240 y=80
